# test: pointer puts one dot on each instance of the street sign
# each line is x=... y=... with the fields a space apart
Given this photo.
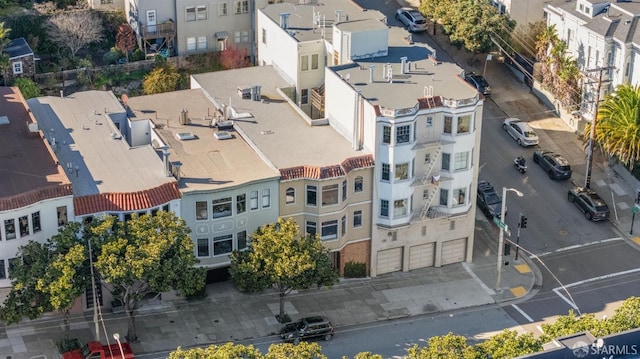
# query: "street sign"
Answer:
x=500 y=224
x=635 y=209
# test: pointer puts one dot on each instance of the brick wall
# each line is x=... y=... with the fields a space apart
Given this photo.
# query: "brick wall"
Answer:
x=359 y=252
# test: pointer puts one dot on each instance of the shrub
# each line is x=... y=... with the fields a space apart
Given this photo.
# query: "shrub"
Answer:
x=67 y=344
x=355 y=270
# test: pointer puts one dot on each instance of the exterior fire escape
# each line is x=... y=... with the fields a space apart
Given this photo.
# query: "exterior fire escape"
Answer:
x=431 y=179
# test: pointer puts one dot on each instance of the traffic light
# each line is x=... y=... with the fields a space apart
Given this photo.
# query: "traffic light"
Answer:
x=507 y=249
x=523 y=222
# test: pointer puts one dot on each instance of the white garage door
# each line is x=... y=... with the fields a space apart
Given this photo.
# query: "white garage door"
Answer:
x=454 y=251
x=421 y=256
x=389 y=260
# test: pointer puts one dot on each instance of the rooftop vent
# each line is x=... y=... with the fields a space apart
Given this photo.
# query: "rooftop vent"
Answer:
x=222 y=135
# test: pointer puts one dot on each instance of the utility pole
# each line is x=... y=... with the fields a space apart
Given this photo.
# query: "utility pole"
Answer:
x=592 y=134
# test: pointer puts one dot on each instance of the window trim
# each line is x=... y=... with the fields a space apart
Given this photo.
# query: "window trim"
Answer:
x=290 y=196
x=311 y=189
x=17 y=67
x=357 y=217
x=384 y=208
x=220 y=239
x=358 y=184
x=199 y=217
x=208 y=248
x=330 y=192
x=329 y=225
x=266 y=198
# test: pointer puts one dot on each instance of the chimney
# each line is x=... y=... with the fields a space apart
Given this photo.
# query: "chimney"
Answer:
x=403 y=61
x=371 y=68
x=165 y=160
x=338 y=15
x=284 y=20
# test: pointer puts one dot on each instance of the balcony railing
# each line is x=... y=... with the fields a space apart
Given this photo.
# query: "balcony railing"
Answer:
x=165 y=29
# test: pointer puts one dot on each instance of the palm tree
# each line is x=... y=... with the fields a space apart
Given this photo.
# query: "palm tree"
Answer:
x=618 y=124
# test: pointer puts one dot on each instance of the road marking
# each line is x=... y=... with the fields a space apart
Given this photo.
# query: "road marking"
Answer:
x=533 y=256
x=571 y=304
x=540 y=329
x=525 y=315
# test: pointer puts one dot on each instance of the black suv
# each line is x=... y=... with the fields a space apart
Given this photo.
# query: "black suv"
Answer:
x=488 y=200
x=478 y=82
x=589 y=202
x=552 y=163
x=306 y=328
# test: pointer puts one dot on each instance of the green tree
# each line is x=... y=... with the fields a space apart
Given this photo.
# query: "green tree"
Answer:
x=572 y=323
x=281 y=256
x=303 y=350
x=449 y=346
x=365 y=355
x=226 y=351
x=509 y=344
x=146 y=255
x=48 y=277
x=164 y=78
x=626 y=317
x=125 y=40
x=618 y=125
x=4 y=39
x=28 y=88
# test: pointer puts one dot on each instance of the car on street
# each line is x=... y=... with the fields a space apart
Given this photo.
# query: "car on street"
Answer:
x=412 y=19
x=520 y=131
x=556 y=166
x=488 y=200
x=307 y=328
x=477 y=81
x=590 y=203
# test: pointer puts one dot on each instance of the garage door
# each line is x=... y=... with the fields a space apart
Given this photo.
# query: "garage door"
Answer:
x=454 y=251
x=421 y=256
x=389 y=260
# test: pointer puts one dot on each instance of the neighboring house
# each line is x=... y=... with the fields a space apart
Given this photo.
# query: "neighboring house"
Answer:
x=22 y=61
x=106 y=5
x=599 y=35
x=301 y=39
x=325 y=184
x=524 y=12
x=182 y=27
x=35 y=192
x=108 y=158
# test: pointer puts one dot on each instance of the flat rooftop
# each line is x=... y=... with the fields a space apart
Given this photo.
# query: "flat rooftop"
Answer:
x=301 y=24
x=89 y=148
x=274 y=128
x=26 y=162
x=424 y=77
x=207 y=163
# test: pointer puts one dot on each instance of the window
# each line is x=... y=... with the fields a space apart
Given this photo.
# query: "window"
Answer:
x=290 y=196
x=385 y=171
x=304 y=96
x=427 y=158
x=357 y=218
x=402 y=134
x=202 y=42
x=429 y=121
x=245 y=36
x=330 y=194
x=329 y=230
x=241 y=203
x=444 y=194
x=311 y=228
x=191 y=13
x=241 y=6
x=221 y=207
x=386 y=134
x=242 y=240
x=151 y=17
x=304 y=63
x=17 y=68
x=461 y=161
x=222 y=245
x=236 y=37
x=358 y=184
x=266 y=198
x=425 y=194
x=154 y=212
x=264 y=36
x=402 y=172
x=312 y=196
x=62 y=215
x=201 y=211
x=3 y=273
x=222 y=9
x=448 y=120
x=459 y=196
x=446 y=159
x=201 y=12
x=384 y=208
x=399 y=208
x=165 y=208
x=10 y=228
x=191 y=44
x=203 y=247
x=35 y=222
x=254 y=200
x=464 y=124
x=23 y=222
x=343 y=226
x=344 y=190
x=314 y=62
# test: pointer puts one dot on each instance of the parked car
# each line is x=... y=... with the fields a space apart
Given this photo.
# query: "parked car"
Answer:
x=478 y=82
x=556 y=166
x=488 y=200
x=307 y=328
x=412 y=19
x=520 y=131
x=589 y=202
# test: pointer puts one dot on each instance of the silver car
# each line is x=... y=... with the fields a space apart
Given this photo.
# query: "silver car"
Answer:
x=520 y=131
x=412 y=19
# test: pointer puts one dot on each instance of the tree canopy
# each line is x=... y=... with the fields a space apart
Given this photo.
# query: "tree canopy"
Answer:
x=74 y=30
x=164 y=78
x=28 y=88
x=125 y=40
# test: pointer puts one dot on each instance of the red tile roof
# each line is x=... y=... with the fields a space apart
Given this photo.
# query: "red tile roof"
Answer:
x=35 y=196
x=126 y=201
x=314 y=172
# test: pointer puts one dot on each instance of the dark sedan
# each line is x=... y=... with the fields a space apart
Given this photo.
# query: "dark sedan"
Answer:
x=478 y=82
x=556 y=166
x=590 y=203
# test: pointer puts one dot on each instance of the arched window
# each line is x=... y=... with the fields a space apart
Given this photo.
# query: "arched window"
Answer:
x=290 y=196
x=358 y=184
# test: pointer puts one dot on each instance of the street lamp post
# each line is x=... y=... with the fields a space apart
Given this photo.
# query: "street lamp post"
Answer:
x=503 y=210
x=116 y=336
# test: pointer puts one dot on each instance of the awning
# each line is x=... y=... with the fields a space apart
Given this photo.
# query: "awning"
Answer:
x=221 y=35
